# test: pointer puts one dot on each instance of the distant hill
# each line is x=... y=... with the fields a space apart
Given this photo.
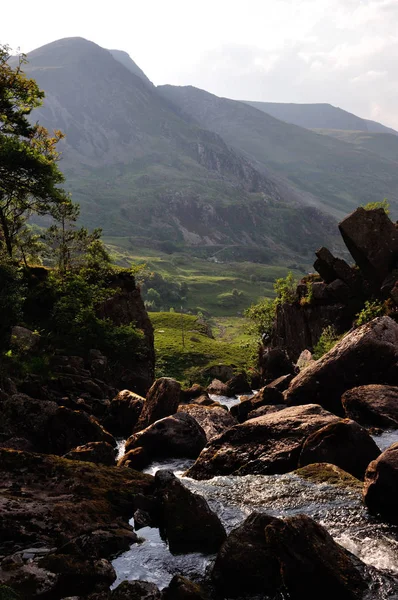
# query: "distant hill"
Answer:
x=334 y=175
x=140 y=167
x=383 y=144
x=319 y=116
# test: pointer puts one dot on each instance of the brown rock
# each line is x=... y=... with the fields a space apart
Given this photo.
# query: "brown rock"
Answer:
x=344 y=443
x=372 y=405
x=214 y=420
x=162 y=400
x=282 y=383
x=363 y=356
x=124 y=412
x=218 y=387
x=380 y=492
x=70 y=428
x=267 y=395
x=273 y=363
x=137 y=459
x=194 y=391
x=266 y=445
x=174 y=436
x=238 y=384
x=136 y=590
x=181 y=588
x=100 y=453
x=22 y=416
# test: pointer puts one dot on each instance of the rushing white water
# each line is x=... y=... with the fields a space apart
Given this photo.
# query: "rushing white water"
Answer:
x=386 y=439
x=120 y=448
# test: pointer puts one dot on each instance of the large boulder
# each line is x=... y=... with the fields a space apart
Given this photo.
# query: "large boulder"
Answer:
x=68 y=429
x=100 y=453
x=266 y=445
x=372 y=405
x=238 y=384
x=273 y=363
x=343 y=443
x=311 y=564
x=123 y=413
x=366 y=355
x=380 y=491
x=372 y=239
x=218 y=388
x=214 y=420
x=175 y=436
x=244 y=564
x=181 y=588
x=184 y=518
x=136 y=590
x=162 y=400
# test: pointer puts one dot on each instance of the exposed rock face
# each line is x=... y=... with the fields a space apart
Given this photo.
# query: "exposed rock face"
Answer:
x=185 y=518
x=344 y=443
x=244 y=564
x=125 y=307
x=266 y=445
x=178 y=435
x=214 y=420
x=70 y=428
x=162 y=400
x=311 y=564
x=100 y=453
x=375 y=254
x=372 y=405
x=380 y=491
x=123 y=413
x=364 y=356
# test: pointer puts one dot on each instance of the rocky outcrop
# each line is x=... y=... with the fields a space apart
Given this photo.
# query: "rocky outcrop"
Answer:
x=372 y=405
x=175 y=436
x=123 y=413
x=367 y=355
x=214 y=420
x=184 y=518
x=344 y=443
x=267 y=445
x=162 y=400
x=70 y=428
x=100 y=453
x=380 y=491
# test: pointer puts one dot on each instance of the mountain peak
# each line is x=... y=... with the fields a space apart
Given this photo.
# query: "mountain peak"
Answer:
x=125 y=59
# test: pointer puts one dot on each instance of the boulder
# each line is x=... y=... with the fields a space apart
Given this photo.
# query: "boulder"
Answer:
x=380 y=492
x=244 y=563
x=175 y=436
x=372 y=239
x=181 y=588
x=343 y=443
x=184 y=518
x=70 y=428
x=282 y=383
x=332 y=269
x=366 y=355
x=101 y=543
x=372 y=405
x=24 y=340
x=311 y=564
x=273 y=363
x=304 y=360
x=214 y=420
x=22 y=416
x=194 y=391
x=267 y=445
x=123 y=413
x=265 y=410
x=162 y=400
x=136 y=590
x=238 y=384
x=330 y=474
x=265 y=396
x=100 y=453
x=204 y=400
x=218 y=388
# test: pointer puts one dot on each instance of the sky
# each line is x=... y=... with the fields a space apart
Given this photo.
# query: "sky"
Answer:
x=343 y=52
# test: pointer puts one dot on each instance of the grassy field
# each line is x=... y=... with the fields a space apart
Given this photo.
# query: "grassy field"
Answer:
x=209 y=283
x=184 y=348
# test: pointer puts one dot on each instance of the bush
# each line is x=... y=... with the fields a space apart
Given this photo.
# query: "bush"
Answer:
x=384 y=204
x=262 y=316
x=370 y=311
x=327 y=340
x=12 y=297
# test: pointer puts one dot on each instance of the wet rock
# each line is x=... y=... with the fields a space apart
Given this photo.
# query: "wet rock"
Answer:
x=380 y=492
x=123 y=413
x=22 y=416
x=68 y=429
x=218 y=388
x=174 y=436
x=273 y=363
x=375 y=254
x=311 y=564
x=330 y=474
x=184 y=518
x=162 y=400
x=267 y=395
x=181 y=588
x=238 y=384
x=136 y=590
x=101 y=543
x=267 y=445
x=100 y=453
x=214 y=420
x=363 y=356
x=344 y=443
x=372 y=405
x=26 y=580
x=244 y=564
x=137 y=459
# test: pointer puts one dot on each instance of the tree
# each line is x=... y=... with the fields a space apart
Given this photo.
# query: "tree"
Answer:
x=29 y=175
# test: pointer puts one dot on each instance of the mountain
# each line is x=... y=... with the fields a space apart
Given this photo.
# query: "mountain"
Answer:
x=139 y=167
x=126 y=60
x=333 y=175
x=383 y=144
x=319 y=116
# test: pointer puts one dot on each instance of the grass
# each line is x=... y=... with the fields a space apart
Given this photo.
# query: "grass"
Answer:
x=184 y=349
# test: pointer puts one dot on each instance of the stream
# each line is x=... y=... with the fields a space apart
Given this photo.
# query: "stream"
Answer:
x=233 y=498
